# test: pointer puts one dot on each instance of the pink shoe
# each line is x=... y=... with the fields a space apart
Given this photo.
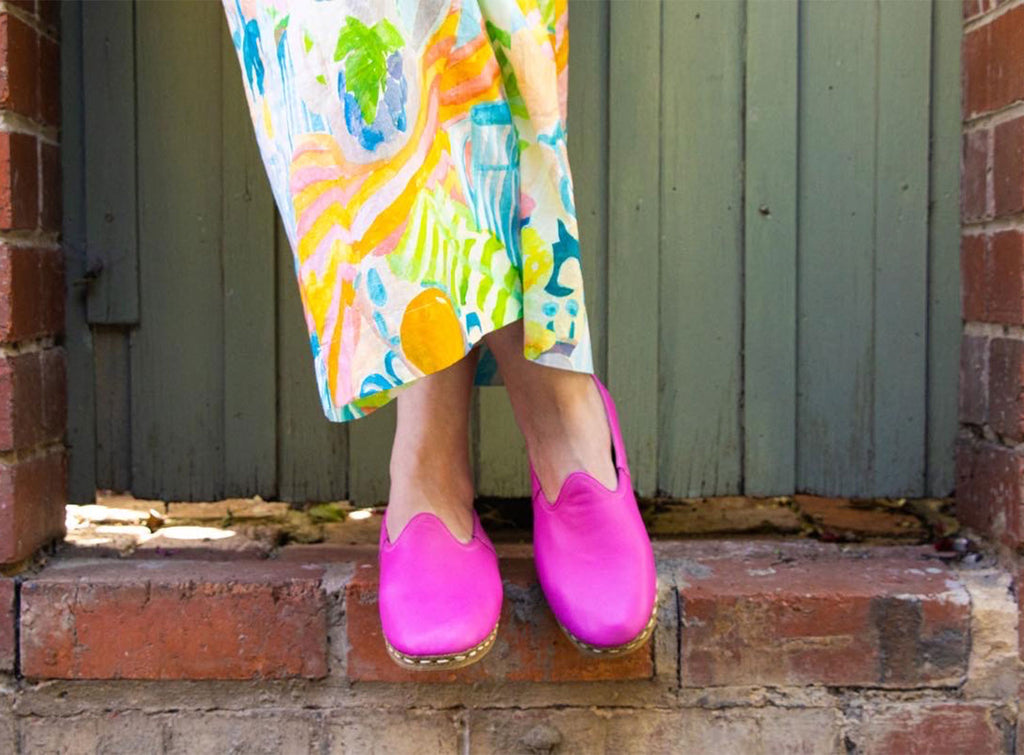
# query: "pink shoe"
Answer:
x=594 y=558
x=440 y=599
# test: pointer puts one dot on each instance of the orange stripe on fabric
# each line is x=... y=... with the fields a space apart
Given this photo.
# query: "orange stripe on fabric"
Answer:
x=468 y=91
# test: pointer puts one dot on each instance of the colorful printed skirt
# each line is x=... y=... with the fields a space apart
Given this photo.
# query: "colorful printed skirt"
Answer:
x=416 y=150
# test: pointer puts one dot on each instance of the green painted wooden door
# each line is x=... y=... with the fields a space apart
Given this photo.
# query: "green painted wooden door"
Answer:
x=768 y=200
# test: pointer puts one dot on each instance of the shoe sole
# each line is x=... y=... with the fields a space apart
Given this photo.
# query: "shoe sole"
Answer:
x=446 y=660
x=603 y=651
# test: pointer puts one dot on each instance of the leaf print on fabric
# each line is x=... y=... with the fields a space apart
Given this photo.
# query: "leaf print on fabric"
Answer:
x=442 y=247
x=364 y=51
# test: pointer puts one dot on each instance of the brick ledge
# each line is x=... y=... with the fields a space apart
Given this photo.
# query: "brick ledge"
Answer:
x=733 y=613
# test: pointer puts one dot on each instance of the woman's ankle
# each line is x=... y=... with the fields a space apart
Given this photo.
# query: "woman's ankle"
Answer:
x=443 y=489
x=573 y=437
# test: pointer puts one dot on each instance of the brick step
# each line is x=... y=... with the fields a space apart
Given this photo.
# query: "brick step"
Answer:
x=761 y=646
x=768 y=613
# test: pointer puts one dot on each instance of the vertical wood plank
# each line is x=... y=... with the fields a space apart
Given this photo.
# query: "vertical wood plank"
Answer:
x=944 y=324
x=112 y=408
x=250 y=376
x=769 y=315
x=901 y=248
x=312 y=450
x=700 y=316
x=177 y=356
x=108 y=75
x=634 y=166
x=78 y=338
x=835 y=236
x=587 y=127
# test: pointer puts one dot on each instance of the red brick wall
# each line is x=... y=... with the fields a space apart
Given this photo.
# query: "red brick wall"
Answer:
x=990 y=459
x=33 y=398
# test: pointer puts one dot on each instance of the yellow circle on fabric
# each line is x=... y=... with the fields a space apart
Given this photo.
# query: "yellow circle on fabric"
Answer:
x=431 y=335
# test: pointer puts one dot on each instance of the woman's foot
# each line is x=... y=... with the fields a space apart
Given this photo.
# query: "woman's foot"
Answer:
x=439 y=598
x=430 y=461
x=593 y=556
x=560 y=413
x=440 y=591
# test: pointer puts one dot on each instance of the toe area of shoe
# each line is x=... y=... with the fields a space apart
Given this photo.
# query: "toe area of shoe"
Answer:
x=604 y=620
x=433 y=620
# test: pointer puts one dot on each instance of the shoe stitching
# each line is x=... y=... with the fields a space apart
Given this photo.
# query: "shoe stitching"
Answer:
x=615 y=649
x=445 y=659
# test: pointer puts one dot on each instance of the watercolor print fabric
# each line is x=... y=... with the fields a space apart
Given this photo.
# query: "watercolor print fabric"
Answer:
x=416 y=150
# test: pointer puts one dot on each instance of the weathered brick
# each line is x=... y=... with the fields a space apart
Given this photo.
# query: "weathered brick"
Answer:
x=530 y=646
x=19 y=51
x=977 y=144
x=1020 y=721
x=32 y=495
x=1005 y=294
x=198 y=542
x=19 y=181
x=50 y=212
x=992 y=277
x=293 y=732
x=995 y=650
x=397 y=732
x=31 y=292
x=1008 y=167
x=627 y=730
x=887 y=622
x=173 y=620
x=49 y=81
x=973 y=395
x=49 y=14
x=33 y=398
x=842 y=518
x=929 y=729
x=721 y=515
x=115 y=733
x=993 y=63
x=319 y=553
x=55 y=392
x=27 y=6
x=973 y=280
x=8 y=733
x=1005 y=68
x=974 y=81
x=972 y=8
x=1006 y=387
x=1019 y=596
x=235 y=508
x=989 y=481
x=6 y=625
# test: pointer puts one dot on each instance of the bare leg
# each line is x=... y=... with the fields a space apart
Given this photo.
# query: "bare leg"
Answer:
x=430 y=464
x=559 y=412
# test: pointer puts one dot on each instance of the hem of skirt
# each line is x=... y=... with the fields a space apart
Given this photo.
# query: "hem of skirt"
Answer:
x=351 y=410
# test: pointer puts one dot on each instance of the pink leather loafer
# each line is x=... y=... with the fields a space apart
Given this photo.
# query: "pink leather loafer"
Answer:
x=440 y=599
x=594 y=558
